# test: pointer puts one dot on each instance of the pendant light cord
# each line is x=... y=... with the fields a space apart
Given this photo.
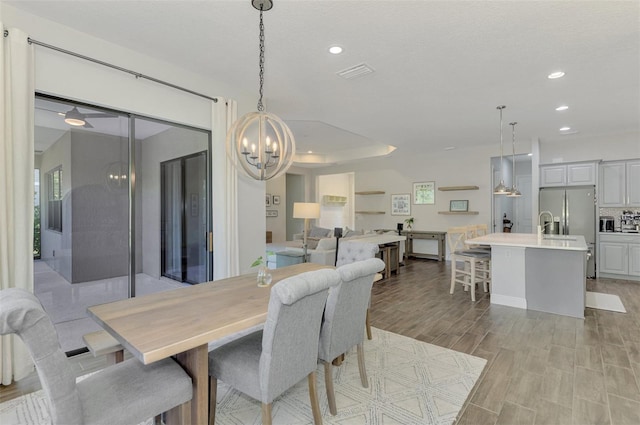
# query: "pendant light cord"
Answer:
x=501 y=143
x=261 y=62
x=513 y=159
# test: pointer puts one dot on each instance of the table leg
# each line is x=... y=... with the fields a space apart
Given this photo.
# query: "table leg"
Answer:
x=397 y=244
x=196 y=363
x=386 y=253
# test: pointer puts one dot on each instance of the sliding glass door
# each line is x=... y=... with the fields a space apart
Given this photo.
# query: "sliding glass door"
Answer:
x=184 y=244
x=99 y=209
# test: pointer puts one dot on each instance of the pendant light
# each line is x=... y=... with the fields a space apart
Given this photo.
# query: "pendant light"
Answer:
x=260 y=142
x=514 y=192
x=501 y=189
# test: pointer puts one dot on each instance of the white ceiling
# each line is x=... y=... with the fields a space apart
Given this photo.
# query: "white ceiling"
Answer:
x=441 y=67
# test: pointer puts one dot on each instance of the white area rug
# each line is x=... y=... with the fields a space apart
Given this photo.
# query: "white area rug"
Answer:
x=410 y=382
x=605 y=302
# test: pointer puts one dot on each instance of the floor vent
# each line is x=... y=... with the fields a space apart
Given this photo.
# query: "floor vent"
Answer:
x=355 y=71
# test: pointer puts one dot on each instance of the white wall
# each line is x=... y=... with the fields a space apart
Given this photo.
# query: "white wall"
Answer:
x=68 y=77
x=606 y=148
x=332 y=216
x=278 y=225
x=397 y=173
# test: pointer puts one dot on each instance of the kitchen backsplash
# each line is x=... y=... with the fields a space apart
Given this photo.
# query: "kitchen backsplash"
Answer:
x=616 y=213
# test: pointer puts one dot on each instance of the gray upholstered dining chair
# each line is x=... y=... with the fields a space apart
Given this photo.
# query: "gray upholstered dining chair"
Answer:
x=352 y=251
x=266 y=363
x=125 y=393
x=343 y=317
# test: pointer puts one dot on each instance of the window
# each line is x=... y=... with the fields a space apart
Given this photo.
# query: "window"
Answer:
x=54 y=217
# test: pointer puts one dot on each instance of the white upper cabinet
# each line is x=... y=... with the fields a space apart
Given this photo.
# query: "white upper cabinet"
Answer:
x=553 y=175
x=620 y=184
x=633 y=183
x=574 y=174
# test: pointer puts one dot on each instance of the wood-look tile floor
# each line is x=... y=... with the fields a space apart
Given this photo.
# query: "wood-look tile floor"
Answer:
x=541 y=369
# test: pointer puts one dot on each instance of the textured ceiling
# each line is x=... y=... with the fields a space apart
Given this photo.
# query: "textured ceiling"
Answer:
x=441 y=67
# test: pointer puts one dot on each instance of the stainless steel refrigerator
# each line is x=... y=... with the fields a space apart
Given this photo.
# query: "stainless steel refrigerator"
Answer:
x=576 y=209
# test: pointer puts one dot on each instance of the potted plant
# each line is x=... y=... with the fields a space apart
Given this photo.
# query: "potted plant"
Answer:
x=409 y=222
x=263 y=277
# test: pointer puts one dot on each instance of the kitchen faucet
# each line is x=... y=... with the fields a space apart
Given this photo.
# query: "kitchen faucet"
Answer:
x=540 y=227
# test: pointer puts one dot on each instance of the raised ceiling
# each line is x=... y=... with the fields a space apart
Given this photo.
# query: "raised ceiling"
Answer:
x=440 y=67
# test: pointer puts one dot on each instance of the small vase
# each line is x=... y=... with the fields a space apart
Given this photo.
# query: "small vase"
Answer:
x=263 y=277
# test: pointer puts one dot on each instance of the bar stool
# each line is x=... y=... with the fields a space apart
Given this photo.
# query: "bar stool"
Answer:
x=473 y=231
x=476 y=263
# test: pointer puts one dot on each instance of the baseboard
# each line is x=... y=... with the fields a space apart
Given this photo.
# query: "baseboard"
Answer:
x=509 y=301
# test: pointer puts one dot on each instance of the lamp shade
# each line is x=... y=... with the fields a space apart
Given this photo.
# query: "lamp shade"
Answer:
x=306 y=210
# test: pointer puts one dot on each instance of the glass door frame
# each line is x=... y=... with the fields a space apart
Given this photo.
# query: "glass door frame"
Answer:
x=132 y=117
x=183 y=221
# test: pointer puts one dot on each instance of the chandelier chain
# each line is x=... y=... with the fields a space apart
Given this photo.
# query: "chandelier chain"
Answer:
x=261 y=74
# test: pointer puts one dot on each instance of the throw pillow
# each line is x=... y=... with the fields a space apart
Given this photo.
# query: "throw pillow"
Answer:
x=350 y=233
x=319 y=232
x=312 y=243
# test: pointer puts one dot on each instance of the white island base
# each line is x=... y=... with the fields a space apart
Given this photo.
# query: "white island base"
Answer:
x=546 y=275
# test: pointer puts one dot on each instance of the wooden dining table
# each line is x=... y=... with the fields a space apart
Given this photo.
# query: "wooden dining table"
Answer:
x=181 y=323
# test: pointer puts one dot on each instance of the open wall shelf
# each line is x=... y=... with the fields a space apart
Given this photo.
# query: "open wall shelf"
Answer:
x=334 y=200
x=371 y=192
x=459 y=212
x=449 y=188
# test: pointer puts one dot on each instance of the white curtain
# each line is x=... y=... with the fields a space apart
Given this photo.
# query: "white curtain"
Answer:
x=16 y=186
x=225 y=192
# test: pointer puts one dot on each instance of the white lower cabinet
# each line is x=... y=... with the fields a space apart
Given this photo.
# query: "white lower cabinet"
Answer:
x=634 y=259
x=619 y=254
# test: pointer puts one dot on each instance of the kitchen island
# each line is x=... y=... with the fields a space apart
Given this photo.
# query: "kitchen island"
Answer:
x=544 y=274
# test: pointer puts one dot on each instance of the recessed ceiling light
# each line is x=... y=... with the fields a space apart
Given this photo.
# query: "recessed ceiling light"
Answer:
x=529 y=154
x=565 y=128
x=309 y=151
x=562 y=108
x=336 y=50
x=555 y=75
x=450 y=148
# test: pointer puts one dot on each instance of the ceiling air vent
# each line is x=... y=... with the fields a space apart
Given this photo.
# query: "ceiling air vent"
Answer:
x=355 y=71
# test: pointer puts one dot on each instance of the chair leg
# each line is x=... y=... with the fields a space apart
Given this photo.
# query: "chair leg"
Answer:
x=473 y=280
x=338 y=360
x=328 y=383
x=368 y=326
x=487 y=275
x=213 y=395
x=453 y=274
x=361 y=367
x=313 y=398
x=266 y=413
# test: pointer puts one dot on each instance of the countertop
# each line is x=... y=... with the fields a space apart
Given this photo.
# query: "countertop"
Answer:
x=530 y=240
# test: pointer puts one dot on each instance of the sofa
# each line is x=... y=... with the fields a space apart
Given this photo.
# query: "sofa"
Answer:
x=321 y=245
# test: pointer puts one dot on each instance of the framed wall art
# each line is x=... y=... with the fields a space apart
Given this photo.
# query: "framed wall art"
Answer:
x=424 y=193
x=267 y=200
x=276 y=199
x=272 y=213
x=459 y=206
x=401 y=204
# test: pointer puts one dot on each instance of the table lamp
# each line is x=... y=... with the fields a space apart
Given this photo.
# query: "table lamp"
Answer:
x=306 y=210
